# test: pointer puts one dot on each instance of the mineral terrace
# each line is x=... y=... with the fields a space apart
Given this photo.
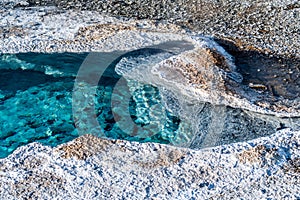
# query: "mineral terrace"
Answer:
x=234 y=44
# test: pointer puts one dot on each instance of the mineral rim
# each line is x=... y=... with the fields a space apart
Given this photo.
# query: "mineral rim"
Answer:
x=229 y=67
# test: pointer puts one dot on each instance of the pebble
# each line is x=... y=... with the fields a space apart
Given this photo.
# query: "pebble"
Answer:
x=145 y=171
x=122 y=169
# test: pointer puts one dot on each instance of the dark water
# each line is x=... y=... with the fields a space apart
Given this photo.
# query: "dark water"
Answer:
x=36 y=102
x=279 y=75
x=37 y=96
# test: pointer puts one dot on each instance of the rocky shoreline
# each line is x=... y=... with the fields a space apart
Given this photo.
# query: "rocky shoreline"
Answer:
x=257 y=32
x=93 y=168
x=271 y=27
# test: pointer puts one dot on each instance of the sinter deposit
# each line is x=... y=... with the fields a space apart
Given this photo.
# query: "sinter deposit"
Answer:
x=231 y=72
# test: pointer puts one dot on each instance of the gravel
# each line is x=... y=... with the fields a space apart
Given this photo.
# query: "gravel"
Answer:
x=270 y=26
x=93 y=168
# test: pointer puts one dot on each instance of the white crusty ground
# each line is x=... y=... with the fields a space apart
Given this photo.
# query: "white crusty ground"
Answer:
x=93 y=168
x=48 y=29
x=271 y=26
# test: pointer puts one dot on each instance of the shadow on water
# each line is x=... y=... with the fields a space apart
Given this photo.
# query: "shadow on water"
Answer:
x=15 y=80
x=59 y=60
x=18 y=79
x=42 y=113
x=108 y=80
x=280 y=76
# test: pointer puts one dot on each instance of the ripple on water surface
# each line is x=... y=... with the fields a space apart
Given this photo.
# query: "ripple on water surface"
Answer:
x=36 y=106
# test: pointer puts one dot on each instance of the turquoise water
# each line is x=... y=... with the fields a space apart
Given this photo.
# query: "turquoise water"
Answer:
x=36 y=103
x=35 y=99
x=40 y=103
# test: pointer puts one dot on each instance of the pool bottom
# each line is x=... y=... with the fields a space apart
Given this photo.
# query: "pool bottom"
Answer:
x=36 y=106
x=43 y=113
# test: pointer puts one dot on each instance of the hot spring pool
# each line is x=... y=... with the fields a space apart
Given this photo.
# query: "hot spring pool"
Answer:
x=36 y=103
x=43 y=99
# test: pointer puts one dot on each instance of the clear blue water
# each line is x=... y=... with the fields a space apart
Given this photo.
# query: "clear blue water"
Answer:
x=36 y=103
